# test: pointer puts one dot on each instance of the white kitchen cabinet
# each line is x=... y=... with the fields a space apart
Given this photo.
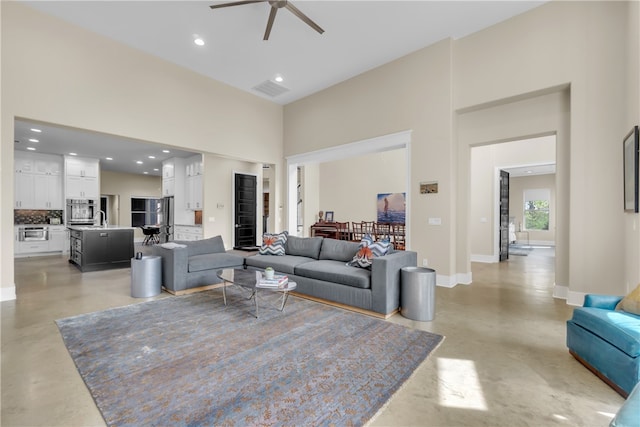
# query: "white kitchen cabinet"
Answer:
x=83 y=167
x=187 y=232
x=23 y=162
x=78 y=187
x=193 y=192
x=48 y=165
x=24 y=190
x=58 y=241
x=168 y=186
x=193 y=184
x=48 y=192
x=81 y=178
x=32 y=247
x=38 y=183
x=168 y=168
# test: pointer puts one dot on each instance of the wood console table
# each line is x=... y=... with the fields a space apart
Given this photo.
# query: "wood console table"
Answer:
x=324 y=229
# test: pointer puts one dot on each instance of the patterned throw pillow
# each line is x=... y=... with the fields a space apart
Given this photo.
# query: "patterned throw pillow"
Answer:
x=273 y=244
x=368 y=250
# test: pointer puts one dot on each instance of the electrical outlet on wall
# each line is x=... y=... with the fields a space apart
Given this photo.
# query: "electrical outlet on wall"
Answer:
x=425 y=262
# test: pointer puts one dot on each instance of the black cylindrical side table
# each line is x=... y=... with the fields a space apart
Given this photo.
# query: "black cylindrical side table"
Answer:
x=417 y=293
x=146 y=276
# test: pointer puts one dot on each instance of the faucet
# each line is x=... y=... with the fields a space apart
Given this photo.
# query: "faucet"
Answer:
x=104 y=218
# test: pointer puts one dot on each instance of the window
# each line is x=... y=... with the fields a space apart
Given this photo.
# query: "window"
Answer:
x=145 y=211
x=536 y=209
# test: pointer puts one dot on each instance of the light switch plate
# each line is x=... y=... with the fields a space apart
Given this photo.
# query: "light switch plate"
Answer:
x=435 y=221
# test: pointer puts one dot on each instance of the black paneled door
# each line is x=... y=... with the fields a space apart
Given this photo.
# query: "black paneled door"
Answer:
x=504 y=215
x=245 y=210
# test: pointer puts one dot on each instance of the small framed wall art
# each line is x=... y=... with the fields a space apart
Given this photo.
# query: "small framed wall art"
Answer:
x=429 y=187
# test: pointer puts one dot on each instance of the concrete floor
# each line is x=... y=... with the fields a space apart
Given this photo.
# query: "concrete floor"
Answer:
x=503 y=363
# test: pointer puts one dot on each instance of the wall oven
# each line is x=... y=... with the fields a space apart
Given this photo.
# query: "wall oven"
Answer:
x=81 y=211
x=33 y=234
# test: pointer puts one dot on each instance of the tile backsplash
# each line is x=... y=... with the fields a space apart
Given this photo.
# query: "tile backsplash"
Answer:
x=26 y=216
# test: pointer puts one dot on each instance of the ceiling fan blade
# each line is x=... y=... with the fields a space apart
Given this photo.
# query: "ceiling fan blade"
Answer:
x=304 y=17
x=272 y=17
x=236 y=3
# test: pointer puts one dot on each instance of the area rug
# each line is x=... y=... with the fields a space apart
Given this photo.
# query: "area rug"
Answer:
x=191 y=361
x=519 y=250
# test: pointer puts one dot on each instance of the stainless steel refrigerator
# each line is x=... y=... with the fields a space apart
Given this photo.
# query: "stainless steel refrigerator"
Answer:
x=166 y=227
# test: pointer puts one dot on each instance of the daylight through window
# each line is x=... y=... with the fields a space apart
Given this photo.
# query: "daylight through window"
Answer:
x=536 y=209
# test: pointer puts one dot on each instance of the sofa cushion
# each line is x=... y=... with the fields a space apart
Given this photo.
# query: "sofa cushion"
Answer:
x=368 y=250
x=213 y=245
x=282 y=264
x=213 y=262
x=631 y=303
x=617 y=327
x=338 y=250
x=273 y=244
x=336 y=272
x=304 y=246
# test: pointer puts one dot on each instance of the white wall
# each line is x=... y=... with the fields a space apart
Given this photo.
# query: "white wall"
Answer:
x=218 y=187
x=561 y=68
x=350 y=187
x=58 y=73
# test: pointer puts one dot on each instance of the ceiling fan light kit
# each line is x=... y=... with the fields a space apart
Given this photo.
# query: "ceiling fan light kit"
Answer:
x=275 y=5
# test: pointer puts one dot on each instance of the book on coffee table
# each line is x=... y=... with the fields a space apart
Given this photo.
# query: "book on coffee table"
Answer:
x=278 y=281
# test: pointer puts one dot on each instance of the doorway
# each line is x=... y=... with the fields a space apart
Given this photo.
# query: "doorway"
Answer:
x=504 y=215
x=245 y=210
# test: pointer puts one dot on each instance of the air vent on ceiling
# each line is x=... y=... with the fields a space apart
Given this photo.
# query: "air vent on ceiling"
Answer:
x=271 y=89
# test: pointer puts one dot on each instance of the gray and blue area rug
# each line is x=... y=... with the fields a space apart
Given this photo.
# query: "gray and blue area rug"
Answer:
x=192 y=361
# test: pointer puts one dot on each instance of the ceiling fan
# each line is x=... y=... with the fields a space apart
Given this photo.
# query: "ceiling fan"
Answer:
x=275 y=5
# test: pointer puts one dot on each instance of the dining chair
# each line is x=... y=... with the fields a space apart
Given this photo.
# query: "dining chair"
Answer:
x=382 y=230
x=398 y=235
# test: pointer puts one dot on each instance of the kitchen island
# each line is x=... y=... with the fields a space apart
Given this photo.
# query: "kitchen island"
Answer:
x=96 y=248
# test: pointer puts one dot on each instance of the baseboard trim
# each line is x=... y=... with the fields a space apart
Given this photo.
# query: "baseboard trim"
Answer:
x=344 y=306
x=8 y=293
x=193 y=290
x=487 y=259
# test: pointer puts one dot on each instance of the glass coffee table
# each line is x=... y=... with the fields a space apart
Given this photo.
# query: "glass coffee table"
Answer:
x=250 y=280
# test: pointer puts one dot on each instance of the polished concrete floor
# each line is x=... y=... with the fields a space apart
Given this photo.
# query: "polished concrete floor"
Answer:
x=503 y=363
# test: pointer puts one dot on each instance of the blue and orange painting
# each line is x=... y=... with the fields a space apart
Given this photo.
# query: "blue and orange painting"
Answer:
x=392 y=208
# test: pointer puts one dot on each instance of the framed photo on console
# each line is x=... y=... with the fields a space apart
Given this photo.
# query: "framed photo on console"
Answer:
x=329 y=216
x=631 y=160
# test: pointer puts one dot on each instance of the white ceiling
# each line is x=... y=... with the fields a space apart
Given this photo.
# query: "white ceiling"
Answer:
x=359 y=35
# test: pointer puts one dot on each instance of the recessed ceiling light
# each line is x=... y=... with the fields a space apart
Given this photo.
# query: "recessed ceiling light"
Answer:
x=198 y=40
x=33 y=140
x=166 y=151
x=109 y=158
x=139 y=162
x=152 y=157
x=145 y=172
x=529 y=171
x=156 y=169
x=31 y=149
x=35 y=130
x=279 y=78
x=73 y=154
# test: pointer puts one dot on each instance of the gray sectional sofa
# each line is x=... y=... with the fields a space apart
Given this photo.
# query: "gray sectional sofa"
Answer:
x=319 y=267
x=194 y=264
